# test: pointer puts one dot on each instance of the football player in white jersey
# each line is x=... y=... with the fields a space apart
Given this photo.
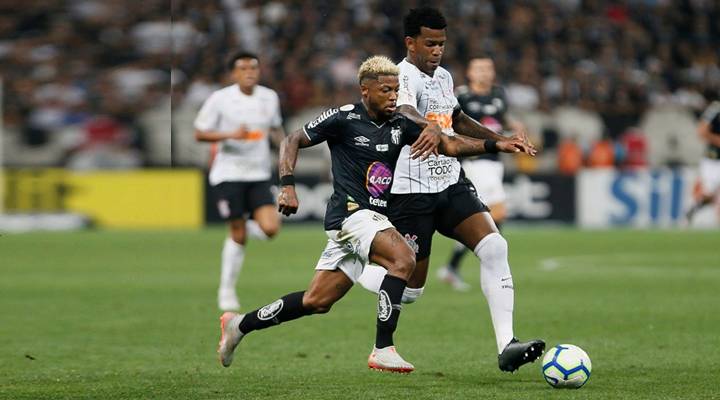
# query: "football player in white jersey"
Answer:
x=433 y=194
x=241 y=119
x=484 y=101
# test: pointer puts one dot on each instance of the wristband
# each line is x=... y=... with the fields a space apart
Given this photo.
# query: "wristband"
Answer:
x=491 y=146
x=287 y=180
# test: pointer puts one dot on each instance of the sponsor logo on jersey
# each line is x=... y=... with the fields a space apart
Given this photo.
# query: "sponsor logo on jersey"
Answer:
x=384 y=306
x=412 y=242
x=353 y=116
x=362 y=141
x=378 y=178
x=322 y=117
x=271 y=310
x=382 y=147
x=440 y=167
x=395 y=135
x=377 y=202
x=347 y=107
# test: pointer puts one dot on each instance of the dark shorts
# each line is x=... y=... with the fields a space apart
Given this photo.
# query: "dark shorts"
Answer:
x=240 y=199
x=419 y=215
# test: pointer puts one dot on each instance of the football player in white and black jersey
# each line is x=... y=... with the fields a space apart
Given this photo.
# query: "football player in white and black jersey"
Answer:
x=365 y=141
x=433 y=194
x=709 y=169
x=485 y=102
x=241 y=119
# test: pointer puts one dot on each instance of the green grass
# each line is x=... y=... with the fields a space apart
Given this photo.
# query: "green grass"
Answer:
x=131 y=315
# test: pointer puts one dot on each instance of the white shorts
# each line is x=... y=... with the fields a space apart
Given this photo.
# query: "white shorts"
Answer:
x=487 y=177
x=710 y=176
x=348 y=248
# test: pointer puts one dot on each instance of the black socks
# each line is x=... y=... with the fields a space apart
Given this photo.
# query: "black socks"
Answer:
x=287 y=308
x=389 y=297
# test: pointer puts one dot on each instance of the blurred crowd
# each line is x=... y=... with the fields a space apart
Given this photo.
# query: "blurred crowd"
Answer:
x=600 y=65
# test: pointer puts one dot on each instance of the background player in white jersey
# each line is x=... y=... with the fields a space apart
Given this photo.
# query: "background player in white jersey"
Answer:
x=485 y=102
x=433 y=194
x=365 y=140
x=709 y=179
x=241 y=118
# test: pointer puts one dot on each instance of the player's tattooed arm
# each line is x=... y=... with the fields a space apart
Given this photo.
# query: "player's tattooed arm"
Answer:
x=429 y=138
x=287 y=199
x=458 y=146
x=467 y=126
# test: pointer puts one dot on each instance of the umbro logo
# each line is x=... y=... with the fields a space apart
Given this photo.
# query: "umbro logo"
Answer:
x=362 y=141
x=353 y=116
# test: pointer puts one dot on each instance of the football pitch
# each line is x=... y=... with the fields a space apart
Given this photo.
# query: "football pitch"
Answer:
x=132 y=315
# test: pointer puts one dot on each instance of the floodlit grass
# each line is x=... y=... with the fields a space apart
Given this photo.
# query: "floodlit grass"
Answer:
x=132 y=315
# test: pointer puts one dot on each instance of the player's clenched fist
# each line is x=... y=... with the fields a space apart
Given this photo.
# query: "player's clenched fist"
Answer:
x=287 y=201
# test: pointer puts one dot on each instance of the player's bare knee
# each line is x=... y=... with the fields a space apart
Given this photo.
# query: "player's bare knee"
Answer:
x=271 y=229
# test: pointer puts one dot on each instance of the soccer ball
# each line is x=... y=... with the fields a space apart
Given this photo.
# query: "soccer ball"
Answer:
x=566 y=366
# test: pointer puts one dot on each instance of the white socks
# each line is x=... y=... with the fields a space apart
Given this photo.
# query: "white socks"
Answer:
x=372 y=278
x=232 y=259
x=497 y=285
x=254 y=231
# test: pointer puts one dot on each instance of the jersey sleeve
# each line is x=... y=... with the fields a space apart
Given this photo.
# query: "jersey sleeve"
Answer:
x=411 y=131
x=456 y=105
x=208 y=118
x=410 y=88
x=711 y=112
x=326 y=126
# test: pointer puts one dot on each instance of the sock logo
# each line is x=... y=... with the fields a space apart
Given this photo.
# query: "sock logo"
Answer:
x=384 y=306
x=271 y=310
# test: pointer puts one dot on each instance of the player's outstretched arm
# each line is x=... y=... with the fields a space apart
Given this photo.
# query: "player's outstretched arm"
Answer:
x=459 y=146
x=287 y=200
x=466 y=125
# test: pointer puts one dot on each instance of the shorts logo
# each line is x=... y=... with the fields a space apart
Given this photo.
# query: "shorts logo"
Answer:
x=378 y=178
x=271 y=310
x=384 y=306
x=412 y=242
x=224 y=208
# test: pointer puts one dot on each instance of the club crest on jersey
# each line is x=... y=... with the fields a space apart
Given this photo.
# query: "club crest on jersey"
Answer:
x=384 y=306
x=271 y=310
x=395 y=135
x=378 y=178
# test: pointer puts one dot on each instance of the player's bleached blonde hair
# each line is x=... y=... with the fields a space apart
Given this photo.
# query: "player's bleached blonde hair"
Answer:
x=376 y=66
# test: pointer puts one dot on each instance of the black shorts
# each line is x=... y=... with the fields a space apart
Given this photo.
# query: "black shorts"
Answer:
x=240 y=199
x=418 y=215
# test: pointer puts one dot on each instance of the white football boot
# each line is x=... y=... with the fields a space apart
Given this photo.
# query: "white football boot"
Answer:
x=452 y=278
x=387 y=359
x=230 y=336
x=227 y=300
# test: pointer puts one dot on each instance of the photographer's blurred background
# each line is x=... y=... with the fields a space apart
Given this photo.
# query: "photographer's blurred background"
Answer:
x=610 y=90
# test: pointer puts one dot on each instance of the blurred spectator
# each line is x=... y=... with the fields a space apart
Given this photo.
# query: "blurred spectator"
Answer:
x=613 y=59
x=570 y=157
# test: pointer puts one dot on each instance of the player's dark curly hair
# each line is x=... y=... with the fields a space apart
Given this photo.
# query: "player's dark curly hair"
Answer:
x=424 y=16
x=238 y=56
